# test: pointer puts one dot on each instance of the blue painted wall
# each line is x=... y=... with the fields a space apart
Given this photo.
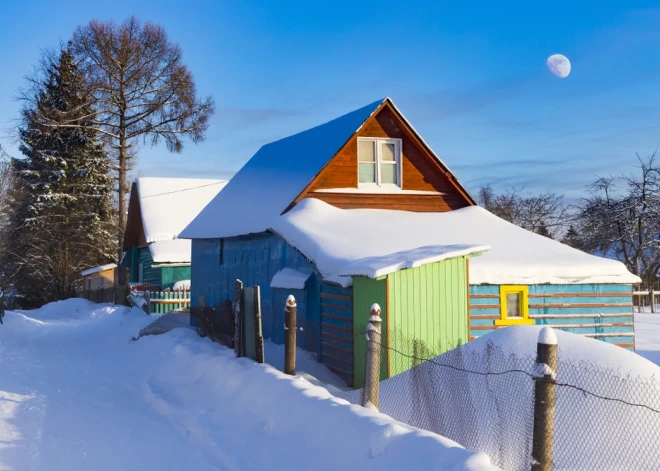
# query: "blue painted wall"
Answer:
x=254 y=259
x=563 y=307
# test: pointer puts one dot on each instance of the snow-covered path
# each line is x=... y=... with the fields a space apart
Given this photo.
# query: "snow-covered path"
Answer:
x=77 y=394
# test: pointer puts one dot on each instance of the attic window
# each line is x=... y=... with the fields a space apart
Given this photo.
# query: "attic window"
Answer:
x=379 y=162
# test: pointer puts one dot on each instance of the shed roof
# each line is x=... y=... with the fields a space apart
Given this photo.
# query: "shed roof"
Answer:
x=99 y=269
x=360 y=241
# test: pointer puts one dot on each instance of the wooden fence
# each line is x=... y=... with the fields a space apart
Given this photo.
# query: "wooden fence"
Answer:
x=162 y=302
x=643 y=294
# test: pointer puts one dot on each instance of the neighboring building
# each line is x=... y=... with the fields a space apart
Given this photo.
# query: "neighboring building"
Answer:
x=100 y=277
x=307 y=208
x=159 y=208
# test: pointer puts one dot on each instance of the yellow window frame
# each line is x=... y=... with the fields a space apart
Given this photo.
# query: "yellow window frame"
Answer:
x=523 y=290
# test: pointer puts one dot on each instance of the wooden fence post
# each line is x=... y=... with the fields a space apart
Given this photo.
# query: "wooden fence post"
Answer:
x=545 y=395
x=290 y=312
x=259 y=339
x=238 y=320
x=652 y=291
x=147 y=305
x=201 y=304
x=372 y=371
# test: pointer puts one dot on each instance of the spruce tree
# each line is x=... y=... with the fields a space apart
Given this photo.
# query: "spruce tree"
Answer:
x=62 y=221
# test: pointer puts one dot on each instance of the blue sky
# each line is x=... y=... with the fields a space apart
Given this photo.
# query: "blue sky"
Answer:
x=470 y=76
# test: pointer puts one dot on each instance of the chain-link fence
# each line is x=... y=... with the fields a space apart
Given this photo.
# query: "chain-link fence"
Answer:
x=484 y=400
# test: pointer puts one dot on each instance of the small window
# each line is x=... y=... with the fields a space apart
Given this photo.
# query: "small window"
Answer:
x=514 y=306
x=379 y=162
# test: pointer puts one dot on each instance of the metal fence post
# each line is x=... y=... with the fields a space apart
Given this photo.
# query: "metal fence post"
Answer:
x=545 y=395
x=290 y=311
x=372 y=371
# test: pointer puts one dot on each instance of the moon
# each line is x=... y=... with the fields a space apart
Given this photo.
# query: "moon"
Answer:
x=559 y=65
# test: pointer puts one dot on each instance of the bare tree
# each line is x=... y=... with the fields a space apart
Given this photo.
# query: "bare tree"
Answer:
x=545 y=213
x=621 y=219
x=141 y=92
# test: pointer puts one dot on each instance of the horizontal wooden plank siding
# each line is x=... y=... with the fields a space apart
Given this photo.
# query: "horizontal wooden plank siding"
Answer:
x=598 y=311
x=337 y=330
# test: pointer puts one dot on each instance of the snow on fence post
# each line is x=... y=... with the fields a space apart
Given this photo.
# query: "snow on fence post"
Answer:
x=290 y=311
x=545 y=395
x=372 y=371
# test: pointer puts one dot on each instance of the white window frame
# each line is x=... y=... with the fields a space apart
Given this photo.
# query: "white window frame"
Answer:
x=397 y=159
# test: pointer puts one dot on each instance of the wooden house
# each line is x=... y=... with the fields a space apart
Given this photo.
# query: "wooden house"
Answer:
x=319 y=213
x=158 y=209
x=100 y=277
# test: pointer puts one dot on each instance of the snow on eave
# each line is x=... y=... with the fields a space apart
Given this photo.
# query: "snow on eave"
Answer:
x=91 y=271
x=374 y=267
x=289 y=278
x=332 y=239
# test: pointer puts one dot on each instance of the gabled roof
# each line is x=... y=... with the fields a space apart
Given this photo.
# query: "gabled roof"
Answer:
x=169 y=204
x=371 y=242
x=268 y=184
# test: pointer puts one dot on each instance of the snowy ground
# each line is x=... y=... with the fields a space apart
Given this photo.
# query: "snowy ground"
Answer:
x=647 y=335
x=76 y=394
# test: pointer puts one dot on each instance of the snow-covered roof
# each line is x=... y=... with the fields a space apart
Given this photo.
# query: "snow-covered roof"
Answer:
x=265 y=186
x=336 y=240
x=288 y=278
x=169 y=204
x=171 y=251
x=91 y=271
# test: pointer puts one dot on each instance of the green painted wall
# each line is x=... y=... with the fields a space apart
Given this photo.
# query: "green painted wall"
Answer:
x=171 y=275
x=151 y=275
x=367 y=291
x=427 y=304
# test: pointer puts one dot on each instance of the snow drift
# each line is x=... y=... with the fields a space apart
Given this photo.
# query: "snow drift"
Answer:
x=77 y=393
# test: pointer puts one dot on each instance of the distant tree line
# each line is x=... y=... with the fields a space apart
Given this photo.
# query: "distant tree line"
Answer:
x=86 y=109
x=619 y=219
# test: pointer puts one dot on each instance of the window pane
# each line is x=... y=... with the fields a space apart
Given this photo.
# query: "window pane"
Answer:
x=367 y=173
x=513 y=305
x=366 y=151
x=388 y=151
x=388 y=173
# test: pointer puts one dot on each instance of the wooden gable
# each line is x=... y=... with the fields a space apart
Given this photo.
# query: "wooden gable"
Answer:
x=134 y=235
x=427 y=185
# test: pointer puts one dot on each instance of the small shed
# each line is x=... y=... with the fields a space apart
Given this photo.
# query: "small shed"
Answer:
x=100 y=277
x=159 y=208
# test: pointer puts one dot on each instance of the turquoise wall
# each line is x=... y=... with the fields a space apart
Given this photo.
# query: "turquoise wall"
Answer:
x=150 y=275
x=600 y=311
x=170 y=275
